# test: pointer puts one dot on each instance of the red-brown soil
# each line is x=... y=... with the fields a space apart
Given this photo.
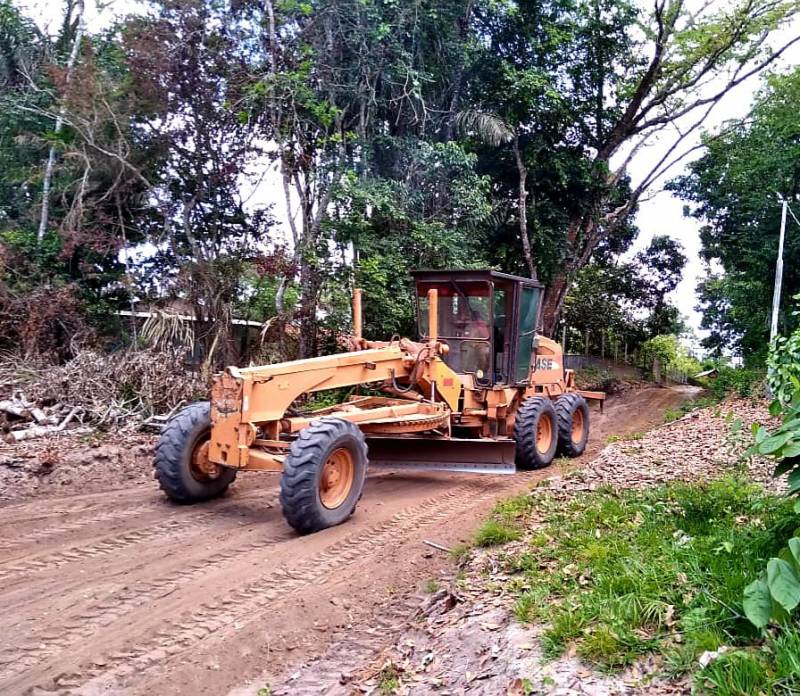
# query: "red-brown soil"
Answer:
x=119 y=591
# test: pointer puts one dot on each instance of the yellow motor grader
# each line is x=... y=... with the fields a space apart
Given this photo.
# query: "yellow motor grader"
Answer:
x=480 y=392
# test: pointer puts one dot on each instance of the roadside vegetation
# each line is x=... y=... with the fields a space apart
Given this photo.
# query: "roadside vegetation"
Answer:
x=617 y=575
x=699 y=576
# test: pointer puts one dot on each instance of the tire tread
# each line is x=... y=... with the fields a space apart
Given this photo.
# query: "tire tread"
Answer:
x=171 y=468
x=299 y=494
x=530 y=410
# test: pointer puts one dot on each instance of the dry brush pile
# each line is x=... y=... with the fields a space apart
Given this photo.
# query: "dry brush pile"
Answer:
x=122 y=389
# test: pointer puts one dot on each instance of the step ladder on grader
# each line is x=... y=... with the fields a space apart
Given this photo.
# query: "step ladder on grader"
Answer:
x=480 y=392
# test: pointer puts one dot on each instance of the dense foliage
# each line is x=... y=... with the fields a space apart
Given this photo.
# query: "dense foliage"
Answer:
x=775 y=594
x=142 y=162
x=735 y=189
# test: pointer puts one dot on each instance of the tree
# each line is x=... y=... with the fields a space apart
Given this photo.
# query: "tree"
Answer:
x=359 y=92
x=190 y=77
x=94 y=183
x=660 y=268
x=734 y=190
x=628 y=301
x=694 y=58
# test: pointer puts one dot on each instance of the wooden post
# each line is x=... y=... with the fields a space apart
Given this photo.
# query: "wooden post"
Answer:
x=603 y=345
x=586 y=343
x=433 y=315
x=357 y=321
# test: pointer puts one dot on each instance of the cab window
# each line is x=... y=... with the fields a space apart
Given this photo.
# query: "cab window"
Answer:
x=528 y=311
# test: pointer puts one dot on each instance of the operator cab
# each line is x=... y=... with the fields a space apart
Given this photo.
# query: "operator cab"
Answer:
x=487 y=318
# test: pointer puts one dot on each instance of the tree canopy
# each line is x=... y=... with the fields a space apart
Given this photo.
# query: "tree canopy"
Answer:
x=457 y=133
x=735 y=189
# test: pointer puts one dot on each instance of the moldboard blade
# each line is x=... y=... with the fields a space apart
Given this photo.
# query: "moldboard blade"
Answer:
x=440 y=454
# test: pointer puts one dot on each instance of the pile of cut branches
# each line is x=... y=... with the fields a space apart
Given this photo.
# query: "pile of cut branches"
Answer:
x=121 y=389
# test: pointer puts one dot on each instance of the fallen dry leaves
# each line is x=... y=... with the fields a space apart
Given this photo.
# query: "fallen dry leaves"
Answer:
x=464 y=639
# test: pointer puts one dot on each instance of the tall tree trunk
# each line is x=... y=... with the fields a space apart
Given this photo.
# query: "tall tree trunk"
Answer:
x=51 y=157
x=560 y=282
x=523 y=209
x=458 y=79
x=554 y=302
x=309 y=291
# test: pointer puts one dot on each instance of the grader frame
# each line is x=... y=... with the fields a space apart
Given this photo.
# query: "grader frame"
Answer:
x=499 y=408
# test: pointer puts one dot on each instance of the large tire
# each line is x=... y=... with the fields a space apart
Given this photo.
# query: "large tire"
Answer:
x=323 y=475
x=535 y=433
x=182 y=439
x=573 y=424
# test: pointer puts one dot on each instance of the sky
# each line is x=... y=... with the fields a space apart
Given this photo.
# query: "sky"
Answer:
x=660 y=214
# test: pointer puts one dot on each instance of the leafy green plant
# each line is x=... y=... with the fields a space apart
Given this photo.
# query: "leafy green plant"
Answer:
x=775 y=594
x=783 y=443
x=783 y=363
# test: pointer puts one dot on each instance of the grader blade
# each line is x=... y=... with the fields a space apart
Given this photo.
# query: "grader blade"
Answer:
x=427 y=454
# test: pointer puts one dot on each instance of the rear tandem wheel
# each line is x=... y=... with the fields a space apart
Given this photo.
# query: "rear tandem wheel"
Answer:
x=323 y=475
x=573 y=424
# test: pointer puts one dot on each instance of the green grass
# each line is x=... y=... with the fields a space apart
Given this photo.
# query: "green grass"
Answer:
x=388 y=680
x=494 y=533
x=621 y=574
x=630 y=437
x=431 y=586
x=773 y=668
x=506 y=522
x=673 y=414
x=460 y=552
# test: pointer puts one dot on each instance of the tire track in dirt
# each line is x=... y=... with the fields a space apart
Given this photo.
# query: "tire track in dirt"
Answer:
x=151 y=501
x=97 y=616
x=43 y=533
x=161 y=530
x=181 y=633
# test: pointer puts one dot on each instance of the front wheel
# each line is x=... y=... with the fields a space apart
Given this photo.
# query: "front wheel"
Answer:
x=323 y=475
x=535 y=433
x=182 y=467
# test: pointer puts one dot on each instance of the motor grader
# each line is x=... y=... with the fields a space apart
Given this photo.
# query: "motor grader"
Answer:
x=480 y=391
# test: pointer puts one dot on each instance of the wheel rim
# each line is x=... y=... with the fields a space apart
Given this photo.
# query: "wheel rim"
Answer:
x=544 y=433
x=577 y=426
x=201 y=467
x=337 y=478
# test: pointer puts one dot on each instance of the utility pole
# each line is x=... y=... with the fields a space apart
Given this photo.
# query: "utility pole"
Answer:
x=776 y=297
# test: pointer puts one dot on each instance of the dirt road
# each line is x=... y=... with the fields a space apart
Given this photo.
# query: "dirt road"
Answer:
x=122 y=592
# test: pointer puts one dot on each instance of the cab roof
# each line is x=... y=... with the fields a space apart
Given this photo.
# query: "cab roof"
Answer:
x=472 y=274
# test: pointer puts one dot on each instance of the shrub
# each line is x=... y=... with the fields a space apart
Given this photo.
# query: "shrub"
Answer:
x=739 y=381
